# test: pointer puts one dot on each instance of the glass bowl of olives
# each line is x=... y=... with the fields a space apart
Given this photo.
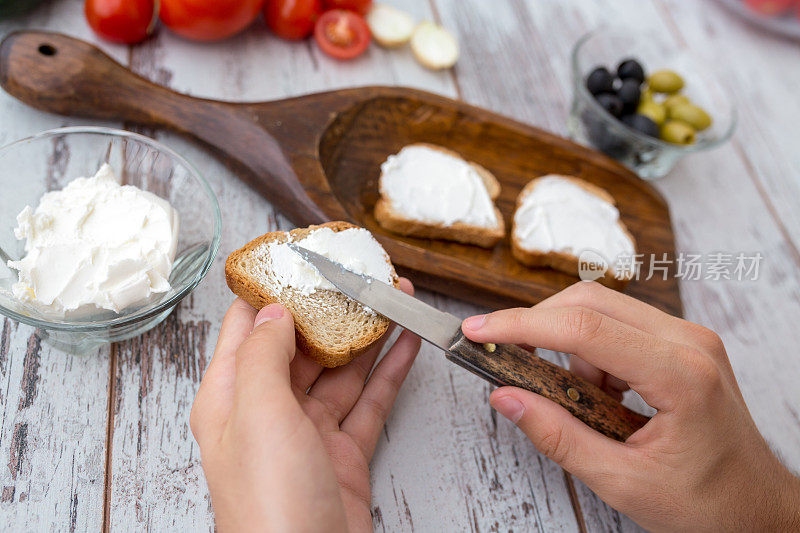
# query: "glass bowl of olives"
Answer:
x=645 y=102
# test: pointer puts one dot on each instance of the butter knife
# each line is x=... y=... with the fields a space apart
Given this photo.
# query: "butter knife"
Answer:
x=502 y=364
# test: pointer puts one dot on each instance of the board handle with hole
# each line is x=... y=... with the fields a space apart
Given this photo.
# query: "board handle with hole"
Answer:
x=64 y=75
x=60 y=74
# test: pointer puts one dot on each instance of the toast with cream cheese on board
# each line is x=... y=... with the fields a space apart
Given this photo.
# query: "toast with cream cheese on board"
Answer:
x=330 y=328
x=560 y=220
x=431 y=192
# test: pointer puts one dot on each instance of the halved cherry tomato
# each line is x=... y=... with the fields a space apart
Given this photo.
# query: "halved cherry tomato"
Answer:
x=359 y=6
x=209 y=20
x=292 y=19
x=121 y=21
x=342 y=34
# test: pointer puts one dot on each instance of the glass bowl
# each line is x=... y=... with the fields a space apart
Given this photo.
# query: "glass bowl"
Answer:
x=48 y=161
x=590 y=124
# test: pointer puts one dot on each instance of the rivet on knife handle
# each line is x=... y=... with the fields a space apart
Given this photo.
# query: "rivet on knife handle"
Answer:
x=506 y=364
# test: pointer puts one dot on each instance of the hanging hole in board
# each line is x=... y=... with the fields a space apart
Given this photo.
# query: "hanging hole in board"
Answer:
x=47 y=50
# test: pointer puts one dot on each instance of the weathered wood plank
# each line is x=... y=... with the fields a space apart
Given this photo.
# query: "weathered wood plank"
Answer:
x=52 y=437
x=531 y=58
x=156 y=480
x=52 y=404
x=763 y=77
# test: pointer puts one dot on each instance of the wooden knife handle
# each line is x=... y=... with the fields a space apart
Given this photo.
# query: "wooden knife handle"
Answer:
x=506 y=364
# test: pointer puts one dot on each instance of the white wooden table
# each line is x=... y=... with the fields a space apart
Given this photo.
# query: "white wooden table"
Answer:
x=102 y=439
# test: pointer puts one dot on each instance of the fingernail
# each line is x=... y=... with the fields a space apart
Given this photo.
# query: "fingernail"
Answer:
x=270 y=312
x=509 y=407
x=475 y=322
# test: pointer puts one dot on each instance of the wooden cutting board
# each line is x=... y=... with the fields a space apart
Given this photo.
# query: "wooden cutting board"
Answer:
x=317 y=158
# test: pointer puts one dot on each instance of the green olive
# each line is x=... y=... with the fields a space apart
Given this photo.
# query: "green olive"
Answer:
x=665 y=81
x=691 y=114
x=675 y=99
x=647 y=95
x=675 y=131
x=652 y=110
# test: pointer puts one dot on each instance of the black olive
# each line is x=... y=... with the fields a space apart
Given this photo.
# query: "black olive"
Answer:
x=602 y=137
x=629 y=93
x=611 y=103
x=643 y=124
x=599 y=81
x=630 y=69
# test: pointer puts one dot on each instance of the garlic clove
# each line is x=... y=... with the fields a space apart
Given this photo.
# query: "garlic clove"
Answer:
x=390 y=26
x=433 y=46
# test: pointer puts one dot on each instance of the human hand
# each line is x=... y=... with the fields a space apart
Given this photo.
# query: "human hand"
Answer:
x=285 y=443
x=698 y=464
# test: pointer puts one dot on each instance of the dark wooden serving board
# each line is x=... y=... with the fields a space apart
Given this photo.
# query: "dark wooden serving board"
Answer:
x=317 y=158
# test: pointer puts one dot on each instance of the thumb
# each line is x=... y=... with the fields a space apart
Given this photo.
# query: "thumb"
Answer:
x=560 y=436
x=262 y=360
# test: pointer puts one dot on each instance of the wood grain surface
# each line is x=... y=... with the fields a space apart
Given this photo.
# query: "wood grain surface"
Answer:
x=102 y=439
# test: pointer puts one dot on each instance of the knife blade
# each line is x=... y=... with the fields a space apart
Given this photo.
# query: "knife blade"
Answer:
x=499 y=364
x=437 y=327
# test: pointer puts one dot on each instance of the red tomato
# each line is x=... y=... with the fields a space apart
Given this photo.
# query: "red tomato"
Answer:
x=209 y=20
x=359 y=6
x=342 y=34
x=121 y=21
x=292 y=19
x=770 y=8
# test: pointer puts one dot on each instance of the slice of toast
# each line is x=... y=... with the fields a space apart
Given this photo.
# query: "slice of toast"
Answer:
x=561 y=260
x=391 y=219
x=330 y=328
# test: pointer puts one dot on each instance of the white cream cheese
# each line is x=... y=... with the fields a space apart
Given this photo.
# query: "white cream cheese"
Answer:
x=355 y=249
x=94 y=245
x=431 y=186
x=557 y=215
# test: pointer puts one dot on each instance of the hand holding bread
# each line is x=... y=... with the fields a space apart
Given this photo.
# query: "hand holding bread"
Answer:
x=285 y=442
x=331 y=328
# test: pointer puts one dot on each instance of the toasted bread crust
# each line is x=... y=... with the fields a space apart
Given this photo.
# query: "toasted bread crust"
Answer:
x=394 y=221
x=564 y=262
x=307 y=335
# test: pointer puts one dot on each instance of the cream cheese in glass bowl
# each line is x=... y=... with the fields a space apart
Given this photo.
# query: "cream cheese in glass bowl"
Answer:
x=102 y=233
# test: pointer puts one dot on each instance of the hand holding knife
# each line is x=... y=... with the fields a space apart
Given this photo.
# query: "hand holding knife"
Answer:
x=498 y=364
